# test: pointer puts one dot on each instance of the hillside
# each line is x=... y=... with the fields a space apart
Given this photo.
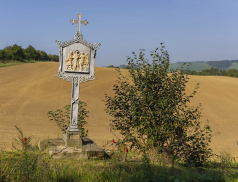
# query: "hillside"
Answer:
x=234 y=66
x=29 y=91
x=193 y=66
x=201 y=65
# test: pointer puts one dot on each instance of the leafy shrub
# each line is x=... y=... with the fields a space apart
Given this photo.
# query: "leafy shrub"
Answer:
x=62 y=118
x=151 y=109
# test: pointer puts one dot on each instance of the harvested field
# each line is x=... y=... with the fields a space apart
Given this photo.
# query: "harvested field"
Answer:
x=29 y=91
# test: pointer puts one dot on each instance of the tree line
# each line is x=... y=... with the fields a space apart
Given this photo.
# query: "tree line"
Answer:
x=224 y=64
x=17 y=53
x=206 y=72
x=215 y=71
x=220 y=65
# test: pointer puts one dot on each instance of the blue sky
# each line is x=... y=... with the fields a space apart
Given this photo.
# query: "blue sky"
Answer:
x=192 y=30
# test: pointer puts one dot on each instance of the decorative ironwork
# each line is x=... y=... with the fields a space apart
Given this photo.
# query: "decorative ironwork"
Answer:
x=78 y=35
x=78 y=38
x=70 y=78
x=76 y=81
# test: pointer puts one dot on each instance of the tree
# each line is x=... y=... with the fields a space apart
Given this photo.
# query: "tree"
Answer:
x=18 y=52
x=232 y=72
x=2 y=54
x=43 y=56
x=31 y=53
x=8 y=53
x=152 y=110
x=214 y=71
x=53 y=58
x=112 y=66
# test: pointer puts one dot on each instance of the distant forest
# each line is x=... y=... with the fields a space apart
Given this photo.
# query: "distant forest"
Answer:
x=218 y=68
x=215 y=71
x=221 y=65
x=17 y=53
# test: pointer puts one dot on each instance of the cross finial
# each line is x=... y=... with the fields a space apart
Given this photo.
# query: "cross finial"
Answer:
x=73 y=21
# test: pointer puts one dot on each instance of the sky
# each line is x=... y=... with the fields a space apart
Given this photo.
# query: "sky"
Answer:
x=191 y=30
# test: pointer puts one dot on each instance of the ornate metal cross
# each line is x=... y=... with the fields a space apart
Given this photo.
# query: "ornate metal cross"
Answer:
x=73 y=21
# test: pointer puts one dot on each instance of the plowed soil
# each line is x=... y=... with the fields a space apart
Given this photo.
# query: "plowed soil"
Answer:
x=29 y=91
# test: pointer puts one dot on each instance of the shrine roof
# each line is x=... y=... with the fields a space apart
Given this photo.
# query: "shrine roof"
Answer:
x=78 y=38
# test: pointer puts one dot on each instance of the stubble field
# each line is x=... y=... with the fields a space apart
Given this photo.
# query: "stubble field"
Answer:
x=29 y=91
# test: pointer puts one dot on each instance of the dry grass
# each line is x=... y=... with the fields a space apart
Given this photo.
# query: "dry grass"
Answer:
x=29 y=91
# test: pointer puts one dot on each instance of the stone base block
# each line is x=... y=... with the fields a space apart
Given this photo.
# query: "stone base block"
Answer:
x=72 y=139
x=61 y=152
x=88 y=150
x=43 y=144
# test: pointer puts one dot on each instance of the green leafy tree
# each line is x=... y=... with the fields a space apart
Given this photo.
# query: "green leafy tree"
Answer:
x=43 y=56
x=214 y=71
x=152 y=109
x=30 y=52
x=53 y=58
x=112 y=66
x=8 y=53
x=232 y=72
x=18 y=52
x=62 y=118
x=2 y=54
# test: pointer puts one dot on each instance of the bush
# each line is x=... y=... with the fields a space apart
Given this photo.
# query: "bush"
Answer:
x=153 y=110
x=62 y=118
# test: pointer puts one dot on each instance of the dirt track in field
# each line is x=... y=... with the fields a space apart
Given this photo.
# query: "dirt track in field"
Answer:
x=29 y=91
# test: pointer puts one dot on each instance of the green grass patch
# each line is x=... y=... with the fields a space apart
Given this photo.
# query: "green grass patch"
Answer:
x=12 y=63
x=35 y=165
x=234 y=66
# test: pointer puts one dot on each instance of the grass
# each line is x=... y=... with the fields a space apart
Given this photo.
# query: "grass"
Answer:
x=12 y=63
x=34 y=165
x=234 y=66
x=28 y=163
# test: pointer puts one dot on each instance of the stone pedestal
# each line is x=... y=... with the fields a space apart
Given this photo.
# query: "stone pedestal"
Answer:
x=89 y=150
x=72 y=139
